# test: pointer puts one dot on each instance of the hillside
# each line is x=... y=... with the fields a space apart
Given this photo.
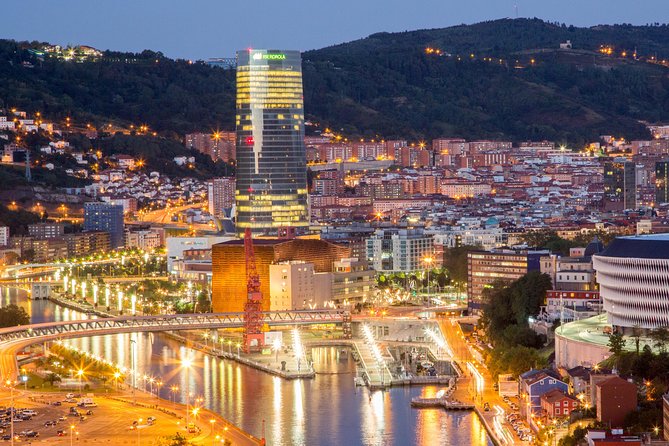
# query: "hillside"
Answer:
x=499 y=79
x=388 y=84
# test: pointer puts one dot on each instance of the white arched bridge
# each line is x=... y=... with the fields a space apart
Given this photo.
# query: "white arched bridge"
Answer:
x=173 y=322
x=13 y=339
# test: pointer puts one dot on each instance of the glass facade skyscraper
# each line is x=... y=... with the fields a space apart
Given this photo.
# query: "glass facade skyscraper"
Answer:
x=271 y=189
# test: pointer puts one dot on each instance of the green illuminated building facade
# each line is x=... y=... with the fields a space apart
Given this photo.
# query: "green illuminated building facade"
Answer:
x=271 y=187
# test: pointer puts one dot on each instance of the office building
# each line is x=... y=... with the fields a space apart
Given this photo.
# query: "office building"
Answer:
x=271 y=171
x=107 y=218
x=146 y=239
x=400 y=250
x=221 y=196
x=484 y=268
x=353 y=282
x=662 y=182
x=291 y=285
x=620 y=185
x=46 y=230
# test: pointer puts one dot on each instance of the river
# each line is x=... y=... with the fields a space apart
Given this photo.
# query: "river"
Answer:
x=327 y=410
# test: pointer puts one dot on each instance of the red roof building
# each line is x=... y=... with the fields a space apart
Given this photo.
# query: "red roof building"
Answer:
x=556 y=404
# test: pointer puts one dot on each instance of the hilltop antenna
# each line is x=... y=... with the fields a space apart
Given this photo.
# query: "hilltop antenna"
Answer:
x=516 y=9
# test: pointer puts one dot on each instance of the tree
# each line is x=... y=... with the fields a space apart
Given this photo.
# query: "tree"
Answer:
x=636 y=335
x=52 y=378
x=12 y=315
x=616 y=343
x=660 y=337
x=511 y=304
x=455 y=261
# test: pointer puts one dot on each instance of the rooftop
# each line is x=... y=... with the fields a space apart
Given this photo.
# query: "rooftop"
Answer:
x=653 y=246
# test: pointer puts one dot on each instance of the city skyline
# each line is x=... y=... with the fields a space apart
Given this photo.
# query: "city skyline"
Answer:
x=164 y=27
x=452 y=236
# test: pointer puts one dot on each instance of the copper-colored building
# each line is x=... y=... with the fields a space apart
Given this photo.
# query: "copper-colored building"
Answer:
x=229 y=266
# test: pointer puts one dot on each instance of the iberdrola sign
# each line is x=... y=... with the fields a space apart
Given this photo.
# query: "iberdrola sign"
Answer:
x=263 y=56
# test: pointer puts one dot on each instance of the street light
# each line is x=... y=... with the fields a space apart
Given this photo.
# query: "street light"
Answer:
x=238 y=346
x=187 y=364
x=174 y=390
x=10 y=383
x=139 y=422
x=80 y=374
x=276 y=345
x=71 y=435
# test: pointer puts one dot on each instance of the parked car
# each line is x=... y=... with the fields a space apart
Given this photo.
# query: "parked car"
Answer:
x=50 y=423
x=60 y=433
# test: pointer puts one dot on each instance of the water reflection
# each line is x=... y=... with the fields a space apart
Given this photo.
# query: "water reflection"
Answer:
x=327 y=410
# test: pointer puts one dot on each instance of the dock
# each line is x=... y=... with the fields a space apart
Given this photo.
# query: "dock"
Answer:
x=440 y=402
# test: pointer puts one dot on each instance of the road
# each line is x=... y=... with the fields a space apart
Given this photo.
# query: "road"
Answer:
x=164 y=215
x=495 y=417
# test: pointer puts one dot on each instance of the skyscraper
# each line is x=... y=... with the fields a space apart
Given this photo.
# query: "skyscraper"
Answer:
x=271 y=190
x=620 y=184
x=662 y=182
x=107 y=218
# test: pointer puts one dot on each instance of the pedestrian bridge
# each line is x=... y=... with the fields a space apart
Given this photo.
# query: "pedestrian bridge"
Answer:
x=131 y=324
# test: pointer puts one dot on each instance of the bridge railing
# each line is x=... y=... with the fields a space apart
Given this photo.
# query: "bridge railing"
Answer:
x=165 y=322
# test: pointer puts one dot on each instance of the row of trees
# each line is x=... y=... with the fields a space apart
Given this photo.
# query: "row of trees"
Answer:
x=506 y=322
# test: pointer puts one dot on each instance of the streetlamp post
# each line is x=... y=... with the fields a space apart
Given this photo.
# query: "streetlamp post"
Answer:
x=211 y=431
x=80 y=374
x=71 y=435
x=187 y=363
x=173 y=391
x=139 y=422
x=238 y=346
x=13 y=412
x=133 y=345
x=428 y=260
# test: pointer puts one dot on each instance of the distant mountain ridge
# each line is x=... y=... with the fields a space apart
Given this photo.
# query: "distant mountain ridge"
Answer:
x=499 y=79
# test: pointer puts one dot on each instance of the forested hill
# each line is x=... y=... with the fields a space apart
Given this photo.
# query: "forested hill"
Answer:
x=498 y=79
x=389 y=83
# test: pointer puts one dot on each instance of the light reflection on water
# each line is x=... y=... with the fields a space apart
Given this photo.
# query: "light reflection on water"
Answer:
x=327 y=410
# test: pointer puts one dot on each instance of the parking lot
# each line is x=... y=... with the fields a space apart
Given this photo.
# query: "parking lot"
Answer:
x=110 y=423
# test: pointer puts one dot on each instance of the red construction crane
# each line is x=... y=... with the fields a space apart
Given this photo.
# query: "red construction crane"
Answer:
x=253 y=337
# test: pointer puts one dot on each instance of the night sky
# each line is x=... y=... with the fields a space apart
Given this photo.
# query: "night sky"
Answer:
x=199 y=29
